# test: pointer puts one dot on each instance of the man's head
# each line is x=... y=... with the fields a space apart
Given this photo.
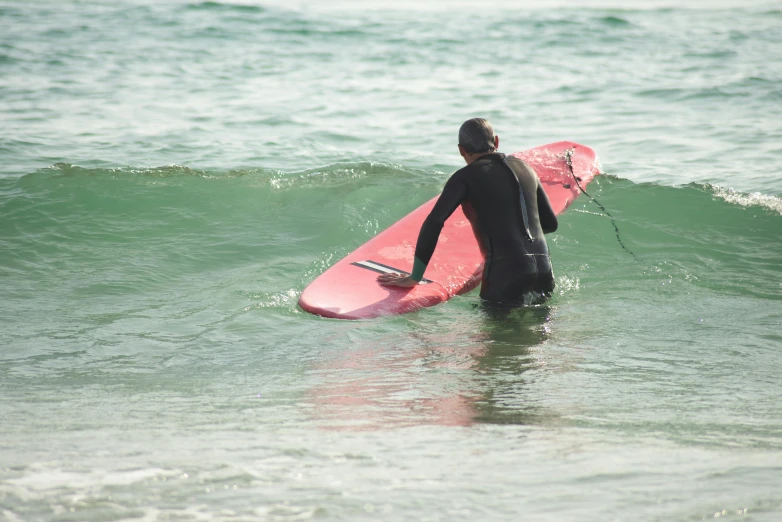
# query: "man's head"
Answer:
x=476 y=138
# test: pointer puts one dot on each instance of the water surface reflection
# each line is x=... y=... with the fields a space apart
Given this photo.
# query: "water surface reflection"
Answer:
x=474 y=370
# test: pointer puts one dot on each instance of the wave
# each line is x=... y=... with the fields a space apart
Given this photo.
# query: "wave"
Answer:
x=165 y=222
x=755 y=199
x=225 y=6
x=614 y=21
x=276 y=179
x=746 y=87
x=353 y=173
x=699 y=234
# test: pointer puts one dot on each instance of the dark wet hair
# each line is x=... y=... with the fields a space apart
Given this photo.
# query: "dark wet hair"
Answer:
x=476 y=136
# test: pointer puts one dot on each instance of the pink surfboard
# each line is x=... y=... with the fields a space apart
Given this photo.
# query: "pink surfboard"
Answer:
x=349 y=290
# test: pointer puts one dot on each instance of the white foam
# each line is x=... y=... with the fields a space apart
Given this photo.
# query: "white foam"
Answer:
x=747 y=200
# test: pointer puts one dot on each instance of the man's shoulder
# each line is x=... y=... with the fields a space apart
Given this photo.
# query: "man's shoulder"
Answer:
x=520 y=166
x=516 y=160
x=462 y=172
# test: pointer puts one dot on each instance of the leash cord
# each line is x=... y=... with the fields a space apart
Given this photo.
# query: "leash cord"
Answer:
x=569 y=160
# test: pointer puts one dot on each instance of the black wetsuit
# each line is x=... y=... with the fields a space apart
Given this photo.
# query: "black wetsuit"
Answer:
x=489 y=195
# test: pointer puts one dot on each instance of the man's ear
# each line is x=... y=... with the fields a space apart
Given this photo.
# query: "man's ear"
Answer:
x=496 y=142
x=462 y=151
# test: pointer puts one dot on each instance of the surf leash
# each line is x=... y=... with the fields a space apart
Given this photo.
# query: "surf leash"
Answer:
x=569 y=160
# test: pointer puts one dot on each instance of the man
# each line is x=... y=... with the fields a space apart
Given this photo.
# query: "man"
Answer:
x=509 y=211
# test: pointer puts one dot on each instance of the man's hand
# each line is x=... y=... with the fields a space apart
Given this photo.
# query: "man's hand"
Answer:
x=396 y=279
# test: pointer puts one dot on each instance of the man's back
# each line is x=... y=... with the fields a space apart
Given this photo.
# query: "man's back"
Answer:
x=492 y=204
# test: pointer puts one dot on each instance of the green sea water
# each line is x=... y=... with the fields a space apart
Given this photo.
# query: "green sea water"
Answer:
x=172 y=175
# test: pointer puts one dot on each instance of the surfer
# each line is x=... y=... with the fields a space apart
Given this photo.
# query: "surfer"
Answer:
x=509 y=212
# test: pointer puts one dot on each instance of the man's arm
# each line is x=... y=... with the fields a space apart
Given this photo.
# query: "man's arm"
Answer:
x=548 y=219
x=454 y=192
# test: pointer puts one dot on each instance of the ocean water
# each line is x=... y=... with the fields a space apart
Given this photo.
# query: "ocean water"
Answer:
x=173 y=174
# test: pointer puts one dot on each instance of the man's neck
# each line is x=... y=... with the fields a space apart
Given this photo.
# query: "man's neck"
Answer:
x=472 y=158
